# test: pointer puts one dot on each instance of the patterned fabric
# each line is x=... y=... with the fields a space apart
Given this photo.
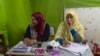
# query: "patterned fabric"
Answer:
x=54 y=53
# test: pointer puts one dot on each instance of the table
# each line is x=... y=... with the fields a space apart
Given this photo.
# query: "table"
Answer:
x=63 y=52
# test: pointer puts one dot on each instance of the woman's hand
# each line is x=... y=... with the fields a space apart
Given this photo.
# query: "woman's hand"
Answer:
x=26 y=41
x=33 y=41
x=65 y=43
x=84 y=41
x=29 y=42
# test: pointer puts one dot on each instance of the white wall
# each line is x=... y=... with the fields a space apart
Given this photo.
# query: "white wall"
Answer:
x=90 y=18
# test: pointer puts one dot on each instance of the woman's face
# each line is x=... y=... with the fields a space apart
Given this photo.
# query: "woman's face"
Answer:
x=34 y=21
x=69 y=19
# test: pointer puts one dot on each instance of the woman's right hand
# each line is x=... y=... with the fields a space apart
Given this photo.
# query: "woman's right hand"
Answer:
x=84 y=41
x=65 y=43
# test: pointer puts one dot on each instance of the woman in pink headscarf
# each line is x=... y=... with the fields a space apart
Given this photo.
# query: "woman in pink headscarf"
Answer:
x=37 y=31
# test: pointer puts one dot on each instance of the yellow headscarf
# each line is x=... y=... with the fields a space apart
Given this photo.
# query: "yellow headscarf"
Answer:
x=64 y=31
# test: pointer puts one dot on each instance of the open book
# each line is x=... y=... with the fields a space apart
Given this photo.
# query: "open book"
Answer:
x=76 y=48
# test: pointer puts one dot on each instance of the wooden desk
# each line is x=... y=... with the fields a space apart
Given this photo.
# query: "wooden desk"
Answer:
x=63 y=53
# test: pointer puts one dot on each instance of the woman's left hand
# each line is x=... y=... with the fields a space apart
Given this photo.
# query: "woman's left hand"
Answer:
x=33 y=41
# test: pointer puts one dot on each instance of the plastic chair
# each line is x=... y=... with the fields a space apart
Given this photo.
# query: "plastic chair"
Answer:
x=52 y=32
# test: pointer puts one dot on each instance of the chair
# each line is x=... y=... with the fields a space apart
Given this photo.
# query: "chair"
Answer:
x=52 y=33
x=3 y=47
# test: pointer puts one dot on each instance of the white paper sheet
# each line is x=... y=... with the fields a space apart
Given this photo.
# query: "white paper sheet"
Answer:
x=75 y=48
x=21 y=47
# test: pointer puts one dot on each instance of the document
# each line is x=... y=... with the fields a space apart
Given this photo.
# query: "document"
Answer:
x=76 y=48
x=21 y=47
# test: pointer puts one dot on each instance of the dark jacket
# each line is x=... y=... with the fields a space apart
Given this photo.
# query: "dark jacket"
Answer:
x=45 y=36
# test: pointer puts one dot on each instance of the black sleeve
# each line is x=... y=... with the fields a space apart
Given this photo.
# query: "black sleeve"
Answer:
x=46 y=33
x=27 y=33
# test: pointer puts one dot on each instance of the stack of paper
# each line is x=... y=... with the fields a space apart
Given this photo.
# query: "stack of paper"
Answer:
x=21 y=47
x=75 y=48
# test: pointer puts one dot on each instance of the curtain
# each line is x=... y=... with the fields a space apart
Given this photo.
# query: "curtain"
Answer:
x=15 y=15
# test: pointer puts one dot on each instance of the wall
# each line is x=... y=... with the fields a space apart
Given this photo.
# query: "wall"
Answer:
x=3 y=22
x=15 y=14
x=14 y=18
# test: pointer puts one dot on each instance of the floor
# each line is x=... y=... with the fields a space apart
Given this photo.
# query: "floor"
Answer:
x=1 y=55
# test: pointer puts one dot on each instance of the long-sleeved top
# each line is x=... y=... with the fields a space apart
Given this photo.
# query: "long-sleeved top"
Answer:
x=76 y=34
x=43 y=38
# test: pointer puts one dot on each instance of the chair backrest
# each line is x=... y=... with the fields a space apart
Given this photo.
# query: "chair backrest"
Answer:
x=2 y=41
x=52 y=33
x=2 y=44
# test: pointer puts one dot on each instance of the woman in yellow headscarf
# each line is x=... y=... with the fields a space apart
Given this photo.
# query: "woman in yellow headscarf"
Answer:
x=71 y=29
